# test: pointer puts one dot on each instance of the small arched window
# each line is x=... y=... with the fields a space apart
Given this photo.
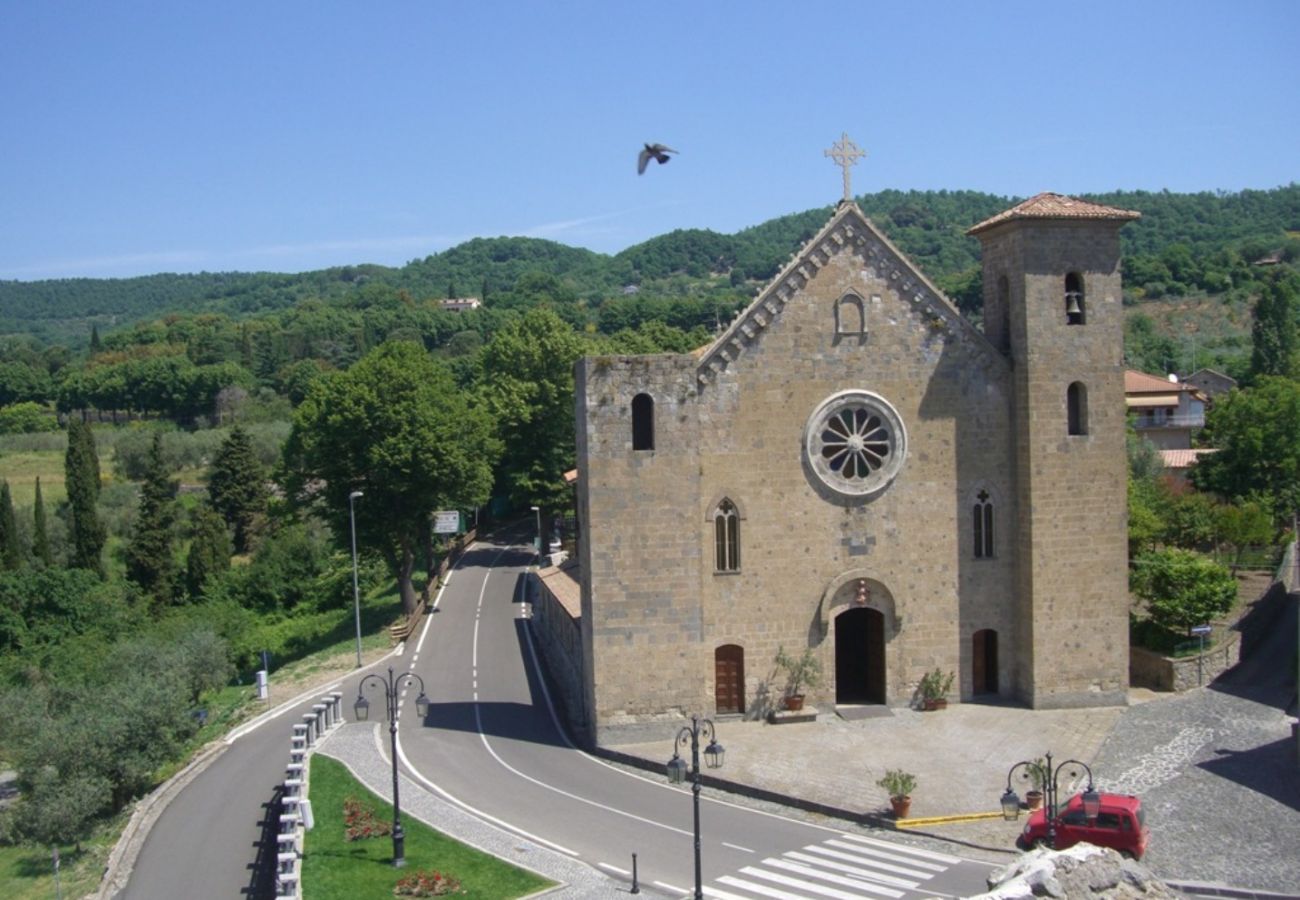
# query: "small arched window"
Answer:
x=850 y=315
x=1002 y=327
x=643 y=422
x=1075 y=311
x=1076 y=403
x=983 y=519
x=726 y=537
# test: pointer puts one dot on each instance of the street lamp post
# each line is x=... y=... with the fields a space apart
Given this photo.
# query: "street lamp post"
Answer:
x=537 y=511
x=677 y=771
x=391 y=685
x=1049 y=774
x=356 y=596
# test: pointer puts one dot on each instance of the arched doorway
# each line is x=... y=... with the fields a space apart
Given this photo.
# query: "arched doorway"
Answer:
x=729 y=678
x=984 y=661
x=860 y=656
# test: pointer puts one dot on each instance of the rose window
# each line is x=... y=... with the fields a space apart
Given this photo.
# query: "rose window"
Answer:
x=855 y=443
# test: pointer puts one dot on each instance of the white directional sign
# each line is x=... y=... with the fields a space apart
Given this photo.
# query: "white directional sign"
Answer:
x=446 y=521
x=1200 y=629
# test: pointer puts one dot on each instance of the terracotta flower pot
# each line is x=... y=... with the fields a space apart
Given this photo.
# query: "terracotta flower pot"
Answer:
x=794 y=702
x=1033 y=799
x=902 y=806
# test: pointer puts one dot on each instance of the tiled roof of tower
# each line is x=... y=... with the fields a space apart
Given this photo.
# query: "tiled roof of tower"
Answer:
x=1055 y=206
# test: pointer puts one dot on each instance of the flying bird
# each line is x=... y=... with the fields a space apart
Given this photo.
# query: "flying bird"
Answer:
x=656 y=151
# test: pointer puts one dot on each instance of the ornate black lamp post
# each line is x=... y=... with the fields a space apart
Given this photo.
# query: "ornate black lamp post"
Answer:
x=1073 y=768
x=391 y=685
x=677 y=772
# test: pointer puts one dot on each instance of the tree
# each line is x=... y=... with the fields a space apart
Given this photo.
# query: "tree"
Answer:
x=1257 y=435
x=1183 y=588
x=396 y=427
x=1273 y=328
x=11 y=551
x=40 y=532
x=149 y=561
x=528 y=374
x=210 y=550
x=237 y=486
x=1246 y=524
x=81 y=477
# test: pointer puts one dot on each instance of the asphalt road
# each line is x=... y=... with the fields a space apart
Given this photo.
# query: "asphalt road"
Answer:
x=492 y=744
x=216 y=838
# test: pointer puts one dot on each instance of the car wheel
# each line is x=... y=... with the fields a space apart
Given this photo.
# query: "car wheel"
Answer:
x=1127 y=854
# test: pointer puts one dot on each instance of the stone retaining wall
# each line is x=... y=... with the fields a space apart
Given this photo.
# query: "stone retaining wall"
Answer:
x=1162 y=673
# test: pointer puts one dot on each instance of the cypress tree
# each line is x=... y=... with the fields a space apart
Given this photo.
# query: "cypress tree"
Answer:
x=95 y=345
x=149 y=561
x=210 y=550
x=11 y=553
x=81 y=475
x=40 y=533
x=1273 y=328
x=237 y=486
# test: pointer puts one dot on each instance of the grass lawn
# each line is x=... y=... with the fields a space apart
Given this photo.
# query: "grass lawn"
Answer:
x=335 y=869
x=22 y=468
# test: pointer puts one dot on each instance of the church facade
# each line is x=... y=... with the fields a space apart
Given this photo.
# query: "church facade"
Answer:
x=853 y=469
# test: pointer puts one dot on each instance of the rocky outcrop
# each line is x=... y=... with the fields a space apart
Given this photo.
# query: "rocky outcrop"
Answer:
x=1081 y=871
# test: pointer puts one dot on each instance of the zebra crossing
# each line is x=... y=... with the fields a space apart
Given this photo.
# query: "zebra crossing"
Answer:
x=847 y=867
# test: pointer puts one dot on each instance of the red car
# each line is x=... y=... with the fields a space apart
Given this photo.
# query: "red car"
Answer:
x=1120 y=824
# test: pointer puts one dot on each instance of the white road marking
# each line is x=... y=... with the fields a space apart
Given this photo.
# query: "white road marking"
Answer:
x=899 y=848
x=843 y=880
x=722 y=895
x=803 y=885
x=857 y=857
x=882 y=854
x=761 y=889
x=278 y=711
x=610 y=868
x=737 y=847
x=505 y=826
x=856 y=871
x=671 y=887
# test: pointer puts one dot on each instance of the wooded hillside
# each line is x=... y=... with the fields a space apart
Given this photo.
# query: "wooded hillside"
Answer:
x=1205 y=243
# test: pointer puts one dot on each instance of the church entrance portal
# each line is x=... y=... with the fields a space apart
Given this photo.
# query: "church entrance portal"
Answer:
x=860 y=656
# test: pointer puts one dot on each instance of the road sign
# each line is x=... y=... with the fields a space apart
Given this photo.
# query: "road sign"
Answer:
x=446 y=521
x=1201 y=629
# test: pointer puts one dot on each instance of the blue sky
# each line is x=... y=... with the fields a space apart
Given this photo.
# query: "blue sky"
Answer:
x=286 y=136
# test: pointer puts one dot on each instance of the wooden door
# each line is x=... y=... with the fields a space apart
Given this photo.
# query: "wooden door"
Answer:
x=729 y=678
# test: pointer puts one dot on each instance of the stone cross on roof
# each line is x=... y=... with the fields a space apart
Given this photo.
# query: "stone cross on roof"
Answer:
x=846 y=154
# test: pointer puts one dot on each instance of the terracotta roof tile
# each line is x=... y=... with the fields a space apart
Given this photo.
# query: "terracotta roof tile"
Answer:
x=1055 y=206
x=1182 y=459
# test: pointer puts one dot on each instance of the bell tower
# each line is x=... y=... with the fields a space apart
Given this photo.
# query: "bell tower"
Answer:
x=1052 y=304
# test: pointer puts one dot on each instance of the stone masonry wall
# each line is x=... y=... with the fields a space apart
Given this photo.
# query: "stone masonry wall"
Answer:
x=1071 y=489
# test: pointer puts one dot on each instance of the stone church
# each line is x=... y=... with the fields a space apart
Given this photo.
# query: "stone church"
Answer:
x=853 y=468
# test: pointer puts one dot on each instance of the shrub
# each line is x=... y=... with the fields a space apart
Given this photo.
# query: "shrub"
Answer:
x=26 y=418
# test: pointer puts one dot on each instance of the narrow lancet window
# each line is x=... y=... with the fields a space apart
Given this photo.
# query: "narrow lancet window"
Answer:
x=983 y=515
x=1076 y=402
x=726 y=537
x=643 y=422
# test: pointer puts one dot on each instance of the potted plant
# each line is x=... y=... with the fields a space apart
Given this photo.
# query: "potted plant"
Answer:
x=801 y=671
x=899 y=785
x=1037 y=772
x=934 y=689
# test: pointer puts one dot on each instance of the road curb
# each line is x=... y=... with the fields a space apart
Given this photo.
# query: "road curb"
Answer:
x=121 y=861
x=946 y=820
